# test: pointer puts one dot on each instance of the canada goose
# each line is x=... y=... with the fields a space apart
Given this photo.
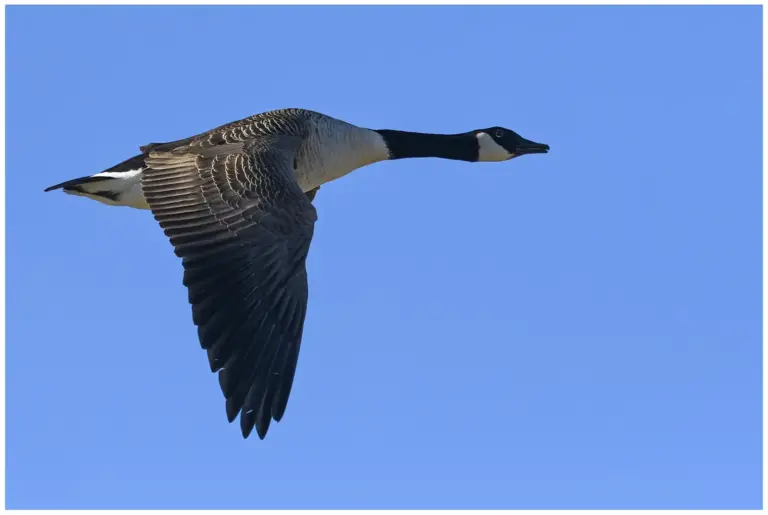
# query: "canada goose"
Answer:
x=236 y=203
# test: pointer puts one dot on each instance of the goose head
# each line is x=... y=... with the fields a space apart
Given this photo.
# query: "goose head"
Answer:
x=500 y=144
x=492 y=144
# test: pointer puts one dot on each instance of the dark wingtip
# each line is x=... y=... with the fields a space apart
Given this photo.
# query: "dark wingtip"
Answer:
x=246 y=426
x=232 y=410
x=262 y=425
x=261 y=432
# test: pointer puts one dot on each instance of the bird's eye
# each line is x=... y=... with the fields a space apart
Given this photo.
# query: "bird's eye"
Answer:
x=499 y=133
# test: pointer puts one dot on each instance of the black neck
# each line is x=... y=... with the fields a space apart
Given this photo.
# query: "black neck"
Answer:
x=402 y=144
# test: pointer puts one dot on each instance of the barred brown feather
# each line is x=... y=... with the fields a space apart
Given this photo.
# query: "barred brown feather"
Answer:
x=240 y=222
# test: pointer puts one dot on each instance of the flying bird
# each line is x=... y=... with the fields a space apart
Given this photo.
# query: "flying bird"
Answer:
x=236 y=204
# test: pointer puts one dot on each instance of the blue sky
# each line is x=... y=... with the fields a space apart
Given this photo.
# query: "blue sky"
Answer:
x=575 y=330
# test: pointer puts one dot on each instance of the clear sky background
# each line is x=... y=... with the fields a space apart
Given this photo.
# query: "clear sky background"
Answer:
x=575 y=330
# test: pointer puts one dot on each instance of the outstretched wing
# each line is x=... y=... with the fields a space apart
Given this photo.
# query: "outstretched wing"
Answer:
x=243 y=227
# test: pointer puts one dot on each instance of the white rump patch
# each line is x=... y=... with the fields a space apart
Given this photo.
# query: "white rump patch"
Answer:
x=126 y=185
x=128 y=174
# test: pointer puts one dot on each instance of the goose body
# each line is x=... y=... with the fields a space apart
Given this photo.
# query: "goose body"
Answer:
x=236 y=203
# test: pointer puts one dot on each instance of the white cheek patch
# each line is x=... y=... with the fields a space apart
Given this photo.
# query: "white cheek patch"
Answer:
x=489 y=150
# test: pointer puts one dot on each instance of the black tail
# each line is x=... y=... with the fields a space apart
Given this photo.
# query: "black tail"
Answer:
x=74 y=183
x=90 y=187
